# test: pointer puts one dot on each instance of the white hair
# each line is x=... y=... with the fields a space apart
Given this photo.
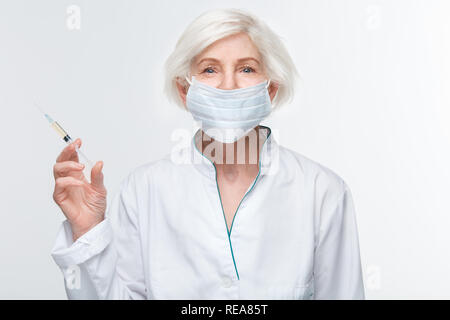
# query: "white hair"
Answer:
x=216 y=24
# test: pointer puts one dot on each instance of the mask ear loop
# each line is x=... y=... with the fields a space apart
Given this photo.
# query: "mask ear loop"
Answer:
x=268 y=83
x=189 y=81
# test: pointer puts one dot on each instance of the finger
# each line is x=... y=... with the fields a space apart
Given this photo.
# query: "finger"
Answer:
x=69 y=152
x=62 y=183
x=62 y=169
x=97 y=175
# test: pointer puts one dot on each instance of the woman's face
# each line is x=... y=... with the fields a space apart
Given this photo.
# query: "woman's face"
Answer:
x=229 y=63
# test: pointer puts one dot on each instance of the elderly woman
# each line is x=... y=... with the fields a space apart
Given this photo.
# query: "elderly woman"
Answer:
x=241 y=218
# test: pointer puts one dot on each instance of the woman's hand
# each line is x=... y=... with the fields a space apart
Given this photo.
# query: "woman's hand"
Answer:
x=83 y=203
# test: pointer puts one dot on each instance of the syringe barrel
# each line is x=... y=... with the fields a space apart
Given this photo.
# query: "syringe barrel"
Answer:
x=61 y=131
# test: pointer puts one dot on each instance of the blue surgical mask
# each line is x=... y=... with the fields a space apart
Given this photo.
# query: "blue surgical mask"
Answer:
x=228 y=115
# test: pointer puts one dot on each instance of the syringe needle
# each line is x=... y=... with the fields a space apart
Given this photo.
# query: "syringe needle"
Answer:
x=39 y=108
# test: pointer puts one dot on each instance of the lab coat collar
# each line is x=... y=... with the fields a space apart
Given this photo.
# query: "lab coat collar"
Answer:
x=269 y=154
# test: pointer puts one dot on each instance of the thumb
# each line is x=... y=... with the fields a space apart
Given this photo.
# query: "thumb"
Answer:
x=97 y=175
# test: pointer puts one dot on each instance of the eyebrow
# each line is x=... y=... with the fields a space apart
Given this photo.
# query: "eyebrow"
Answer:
x=239 y=60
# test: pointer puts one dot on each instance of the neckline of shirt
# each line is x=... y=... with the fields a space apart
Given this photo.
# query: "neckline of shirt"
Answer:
x=207 y=168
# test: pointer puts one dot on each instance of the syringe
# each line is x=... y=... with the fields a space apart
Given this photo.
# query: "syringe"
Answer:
x=55 y=125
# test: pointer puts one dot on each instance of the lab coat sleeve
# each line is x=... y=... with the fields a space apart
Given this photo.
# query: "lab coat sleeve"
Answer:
x=106 y=261
x=337 y=264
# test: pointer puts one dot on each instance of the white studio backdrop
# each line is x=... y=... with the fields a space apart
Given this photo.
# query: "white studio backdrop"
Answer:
x=374 y=107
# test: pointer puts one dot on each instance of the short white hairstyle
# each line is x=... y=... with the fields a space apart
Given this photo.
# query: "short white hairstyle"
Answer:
x=216 y=24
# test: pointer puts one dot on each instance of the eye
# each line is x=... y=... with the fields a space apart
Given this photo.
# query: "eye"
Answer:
x=208 y=70
x=248 y=69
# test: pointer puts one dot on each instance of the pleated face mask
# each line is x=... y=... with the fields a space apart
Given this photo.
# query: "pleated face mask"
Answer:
x=228 y=115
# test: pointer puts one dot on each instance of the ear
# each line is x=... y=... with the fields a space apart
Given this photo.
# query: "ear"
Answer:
x=182 y=89
x=273 y=89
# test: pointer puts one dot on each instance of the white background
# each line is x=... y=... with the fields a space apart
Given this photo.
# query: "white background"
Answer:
x=374 y=108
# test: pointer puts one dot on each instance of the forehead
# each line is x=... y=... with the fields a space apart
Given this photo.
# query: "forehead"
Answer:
x=231 y=48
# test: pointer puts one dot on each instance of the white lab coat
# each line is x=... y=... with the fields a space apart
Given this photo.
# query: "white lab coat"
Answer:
x=294 y=235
